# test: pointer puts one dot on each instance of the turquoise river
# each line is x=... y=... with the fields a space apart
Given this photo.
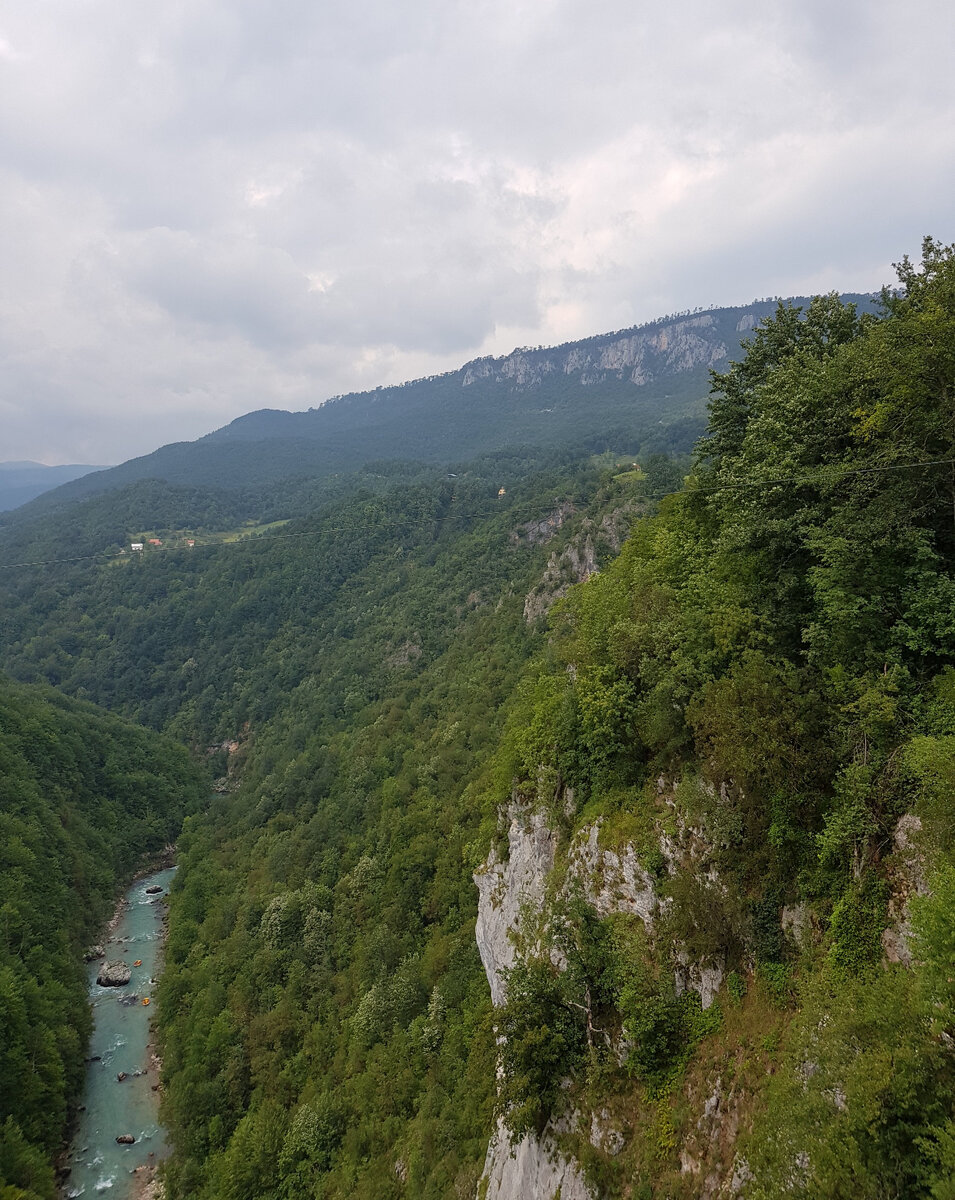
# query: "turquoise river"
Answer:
x=121 y=1044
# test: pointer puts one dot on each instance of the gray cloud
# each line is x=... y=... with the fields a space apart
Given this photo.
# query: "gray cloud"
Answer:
x=214 y=205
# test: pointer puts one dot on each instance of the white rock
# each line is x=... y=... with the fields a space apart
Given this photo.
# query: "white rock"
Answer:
x=534 y=1169
x=907 y=876
x=706 y=979
x=796 y=921
x=612 y=882
x=510 y=890
x=604 y=1135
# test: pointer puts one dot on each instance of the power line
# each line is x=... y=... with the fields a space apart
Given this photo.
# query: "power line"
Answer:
x=823 y=475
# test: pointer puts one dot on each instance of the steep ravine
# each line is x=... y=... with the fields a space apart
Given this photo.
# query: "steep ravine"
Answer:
x=120 y=1095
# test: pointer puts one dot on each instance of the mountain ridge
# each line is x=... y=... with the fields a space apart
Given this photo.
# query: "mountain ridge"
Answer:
x=626 y=390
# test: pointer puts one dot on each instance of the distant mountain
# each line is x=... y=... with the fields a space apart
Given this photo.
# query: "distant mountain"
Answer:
x=24 y=481
x=643 y=388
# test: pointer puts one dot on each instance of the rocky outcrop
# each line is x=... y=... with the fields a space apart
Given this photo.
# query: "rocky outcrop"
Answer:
x=575 y=563
x=638 y=355
x=542 y=529
x=512 y=921
x=510 y=892
x=705 y=979
x=605 y=1135
x=615 y=881
x=708 y=1148
x=907 y=879
x=114 y=974
x=611 y=881
x=510 y=904
x=800 y=925
x=533 y=1169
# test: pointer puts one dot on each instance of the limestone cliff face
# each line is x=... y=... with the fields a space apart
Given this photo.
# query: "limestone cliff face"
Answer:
x=509 y=891
x=512 y=895
x=666 y=347
x=533 y=1169
x=907 y=868
x=612 y=881
x=510 y=902
x=575 y=563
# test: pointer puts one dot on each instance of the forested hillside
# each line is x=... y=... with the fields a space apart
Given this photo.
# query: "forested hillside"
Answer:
x=705 y=794
x=83 y=796
x=755 y=707
x=345 y=675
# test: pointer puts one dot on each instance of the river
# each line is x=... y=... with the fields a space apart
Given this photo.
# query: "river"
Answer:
x=121 y=1043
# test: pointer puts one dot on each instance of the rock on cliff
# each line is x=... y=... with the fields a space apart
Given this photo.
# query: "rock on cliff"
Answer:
x=507 y=891
x=510 y=898
x=907 y=879
x=512 y=921
x=665 y=347
x=575 y=563
x=533 y=1169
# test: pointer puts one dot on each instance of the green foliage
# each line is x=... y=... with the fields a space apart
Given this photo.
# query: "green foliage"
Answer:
x=856 y=926
x=321 y=935
x=736 y=986
x=780 y=635
x=543 y=1042
x=863 y=1093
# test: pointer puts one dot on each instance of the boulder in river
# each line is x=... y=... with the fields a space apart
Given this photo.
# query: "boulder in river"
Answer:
x=151 y=891
x=114 y=974
x=120 y=1077
x=94 y=952
x=125 y=1139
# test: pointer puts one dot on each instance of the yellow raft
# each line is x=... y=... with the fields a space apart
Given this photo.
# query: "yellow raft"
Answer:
x=145 y=999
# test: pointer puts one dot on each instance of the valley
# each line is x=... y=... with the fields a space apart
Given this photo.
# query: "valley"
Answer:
x=571 y=813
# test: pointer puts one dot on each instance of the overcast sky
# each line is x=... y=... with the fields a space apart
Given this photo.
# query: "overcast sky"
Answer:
x=212 y=206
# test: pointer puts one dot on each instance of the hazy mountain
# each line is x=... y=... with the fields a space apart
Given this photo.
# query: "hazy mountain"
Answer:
x=24 y=481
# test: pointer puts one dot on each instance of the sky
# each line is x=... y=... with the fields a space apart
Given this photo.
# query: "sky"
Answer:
x=213 y=206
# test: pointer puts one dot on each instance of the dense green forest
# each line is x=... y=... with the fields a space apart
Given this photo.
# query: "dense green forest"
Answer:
x=361 y=594
x=83 y=797
x=755 y=698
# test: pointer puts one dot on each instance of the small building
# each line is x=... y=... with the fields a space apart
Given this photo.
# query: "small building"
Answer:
x=135 y=545
x=190 y=542
x=502 y=492
x=155 y=542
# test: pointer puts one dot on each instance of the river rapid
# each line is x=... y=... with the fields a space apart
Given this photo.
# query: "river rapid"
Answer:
x=98 y=1165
